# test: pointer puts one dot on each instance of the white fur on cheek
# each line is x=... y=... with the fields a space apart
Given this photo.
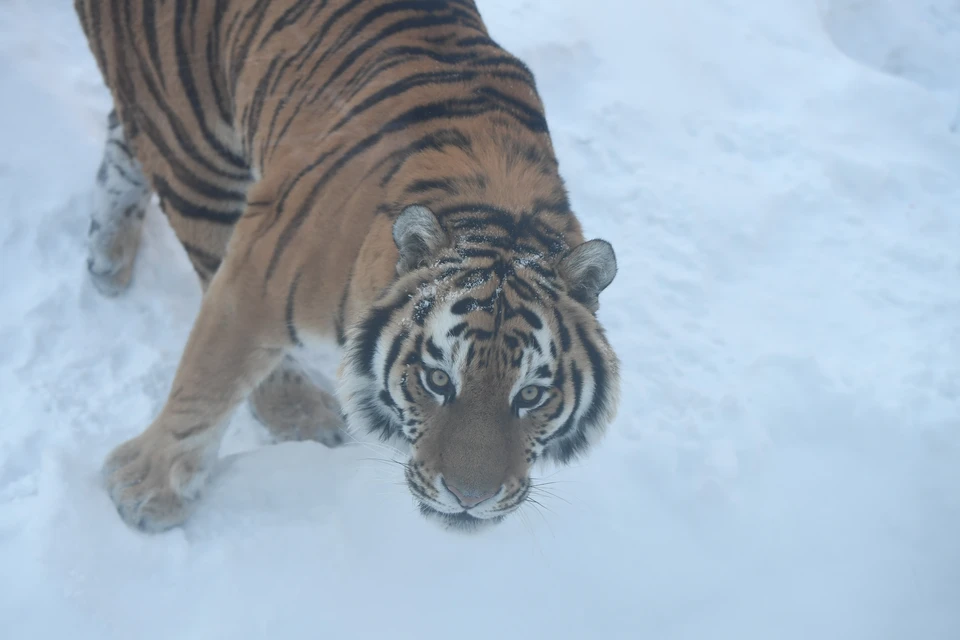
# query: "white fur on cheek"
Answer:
x=441 y=322
x=531 y=362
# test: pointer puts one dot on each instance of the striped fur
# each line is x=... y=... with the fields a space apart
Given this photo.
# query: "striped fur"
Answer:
x=373 y=173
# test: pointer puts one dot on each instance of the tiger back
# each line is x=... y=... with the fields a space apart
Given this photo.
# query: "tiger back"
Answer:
x=375 y=174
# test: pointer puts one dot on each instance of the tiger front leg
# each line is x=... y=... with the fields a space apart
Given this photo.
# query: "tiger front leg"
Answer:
x=292 y=407
x=155 y=478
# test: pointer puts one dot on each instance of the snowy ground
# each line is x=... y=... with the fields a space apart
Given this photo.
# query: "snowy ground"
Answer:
x=781 y=185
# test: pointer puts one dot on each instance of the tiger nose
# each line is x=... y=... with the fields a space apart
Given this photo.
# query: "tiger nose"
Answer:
x=469 y=498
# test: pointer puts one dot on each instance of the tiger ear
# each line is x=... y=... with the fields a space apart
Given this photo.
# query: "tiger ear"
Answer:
x=588 y=269
x=418 y=235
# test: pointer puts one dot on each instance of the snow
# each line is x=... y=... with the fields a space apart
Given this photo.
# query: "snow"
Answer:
x=779 y=180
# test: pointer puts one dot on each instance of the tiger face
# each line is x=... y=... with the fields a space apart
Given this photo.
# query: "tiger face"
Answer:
x=482 y=363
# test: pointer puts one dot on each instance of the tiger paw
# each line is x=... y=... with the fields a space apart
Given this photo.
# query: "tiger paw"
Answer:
x=154 y=480
x=293 y=408
x=111 y=253
x=110 y=279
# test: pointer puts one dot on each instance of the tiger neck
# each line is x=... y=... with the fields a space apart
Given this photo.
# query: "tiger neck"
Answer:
x=503 y=184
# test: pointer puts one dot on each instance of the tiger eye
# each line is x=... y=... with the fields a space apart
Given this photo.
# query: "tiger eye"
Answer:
x=439 y=378
x=530 y=393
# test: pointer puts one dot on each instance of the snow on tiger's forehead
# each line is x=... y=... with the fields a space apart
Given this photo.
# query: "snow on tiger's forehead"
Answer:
x=518 y=344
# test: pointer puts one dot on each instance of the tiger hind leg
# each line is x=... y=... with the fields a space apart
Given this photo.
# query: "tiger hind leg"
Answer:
x=120 y=199
x=292 y=407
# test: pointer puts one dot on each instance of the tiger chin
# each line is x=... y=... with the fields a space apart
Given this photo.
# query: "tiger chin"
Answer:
x=374 y=174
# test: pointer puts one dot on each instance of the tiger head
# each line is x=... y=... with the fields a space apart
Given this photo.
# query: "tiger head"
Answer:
x=484 y=358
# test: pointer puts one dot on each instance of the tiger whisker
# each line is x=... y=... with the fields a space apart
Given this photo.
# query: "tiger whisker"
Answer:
x=541 y=492
x=536 y=506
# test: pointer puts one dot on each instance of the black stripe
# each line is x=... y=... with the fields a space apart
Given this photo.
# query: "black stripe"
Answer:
x=482 y=103
x=523 y=290
x=286 y=19
x=562 y=328
x=215 y=65
x=394 y=56
x=370 y=415
x=414 y=356
x=547 y=289
x=416 y=489
x=571 y=422
x=370 y=330
x=302 y=55
x=400 y=26
x=468 y=304
x=387 y=399
x=190 y=431
x=257 y=102
x=456 y=330
x=524 y=74
x=209 y=261
x=342 y=310
x=289 y=187
x=190 y=209
x=539 y=269
x=404 y=389
x=478 y=253
x=150 y=35
x=559 y=205
x=474 y=41
x=480 y=335
x=181 y=173
x=183 y=138
x=322 y=32
x=444 y=39
x=184 y=66
x=434 y=141
x=561 y=376
x=132 y=179
x=599 y=400
x=233 y=27
x=532 y=319
x=194 y=6
x=291 y=301
x=393 y=354
x=549 y=237
x=536 y=123
x=238 y=58
x=434 y=350
x=486 y=240
x=102 y=172
x=473 y=277
x=184 y=175
x=402 y=86
x=471 y=352
x=487 y=215
x=447 y=185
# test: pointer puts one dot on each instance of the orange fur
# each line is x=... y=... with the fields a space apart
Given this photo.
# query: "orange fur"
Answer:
x=287 y=141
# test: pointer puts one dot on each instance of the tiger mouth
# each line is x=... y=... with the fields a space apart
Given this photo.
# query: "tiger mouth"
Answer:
x=461 y=521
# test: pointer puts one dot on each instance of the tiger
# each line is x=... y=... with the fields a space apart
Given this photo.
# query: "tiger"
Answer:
x=375 y=176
